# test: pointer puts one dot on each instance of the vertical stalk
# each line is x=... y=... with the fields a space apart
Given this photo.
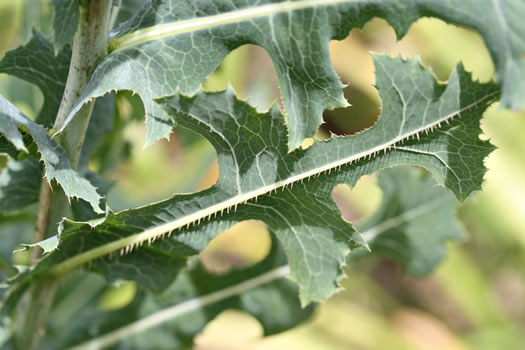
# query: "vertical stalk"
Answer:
x=42 y=218
x=89 y=46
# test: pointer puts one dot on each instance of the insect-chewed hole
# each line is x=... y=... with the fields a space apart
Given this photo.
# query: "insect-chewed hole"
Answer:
x=440 y=46
x=361 y=201
x=223 y=332
x=353 y=63
x=245 y=244
x=250 y=71
x=117 y=296
x=185 y=163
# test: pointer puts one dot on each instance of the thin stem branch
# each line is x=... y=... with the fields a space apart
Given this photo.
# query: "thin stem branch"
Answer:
x=42 y=218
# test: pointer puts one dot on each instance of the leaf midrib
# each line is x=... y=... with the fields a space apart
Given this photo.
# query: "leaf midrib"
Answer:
x=128 y=243
x=159 y=31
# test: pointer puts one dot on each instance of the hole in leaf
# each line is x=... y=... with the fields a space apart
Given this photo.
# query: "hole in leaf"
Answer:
x=360 y=202
x=223 y=332
x=118 y=296
x=250 y=72
x=429 y=38
x=353 y=63
x=184 y=164
x=245 y=244
x=440 y=45
x=307 y=143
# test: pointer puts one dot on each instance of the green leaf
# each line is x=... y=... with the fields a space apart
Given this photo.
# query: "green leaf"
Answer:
x=9 y=149
x=500 y=23
x=291 y=192
x=20 y=181
x=4 y=336
x=36 y=63
x=190 y=303
x=47 y=245
x=20 y=184
x=410 y=228
x=125 y=9
x=57 y=165
x=171 y=46
x=65 y=22
x=77 y=315
x=14 y=230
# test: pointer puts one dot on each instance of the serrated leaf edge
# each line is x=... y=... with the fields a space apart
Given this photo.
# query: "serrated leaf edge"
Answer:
x=127 y=244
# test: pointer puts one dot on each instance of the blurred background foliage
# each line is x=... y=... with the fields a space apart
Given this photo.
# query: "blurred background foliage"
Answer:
x=474 y=300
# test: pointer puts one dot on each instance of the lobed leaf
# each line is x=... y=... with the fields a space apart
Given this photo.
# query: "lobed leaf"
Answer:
x=413 y=223
x=38 y=55
x=174 y=317
x=171 y=46
x=423 y=123
x=55 y=159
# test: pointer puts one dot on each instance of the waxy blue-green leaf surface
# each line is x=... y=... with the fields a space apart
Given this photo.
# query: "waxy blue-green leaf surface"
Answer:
x=173 y=318
x=20 y=180
x=423 y=123
x=173 y=46
x=413 y=223
x=57 y=166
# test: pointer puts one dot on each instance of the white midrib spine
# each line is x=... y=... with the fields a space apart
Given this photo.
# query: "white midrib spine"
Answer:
x=190 y=25
x=128 y=243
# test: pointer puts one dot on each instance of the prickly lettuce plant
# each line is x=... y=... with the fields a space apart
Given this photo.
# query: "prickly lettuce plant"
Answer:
x=163 y=50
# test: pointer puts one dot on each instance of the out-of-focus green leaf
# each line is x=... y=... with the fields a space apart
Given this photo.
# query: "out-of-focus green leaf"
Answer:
x=14 y=230
x=193 y=300
x=20 y=184
x=124 y=10
x=415 y=219
x=77 y=315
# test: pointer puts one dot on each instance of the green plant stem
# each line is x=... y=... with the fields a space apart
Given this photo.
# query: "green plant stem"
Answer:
x=89 y=46
x=42 y=218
